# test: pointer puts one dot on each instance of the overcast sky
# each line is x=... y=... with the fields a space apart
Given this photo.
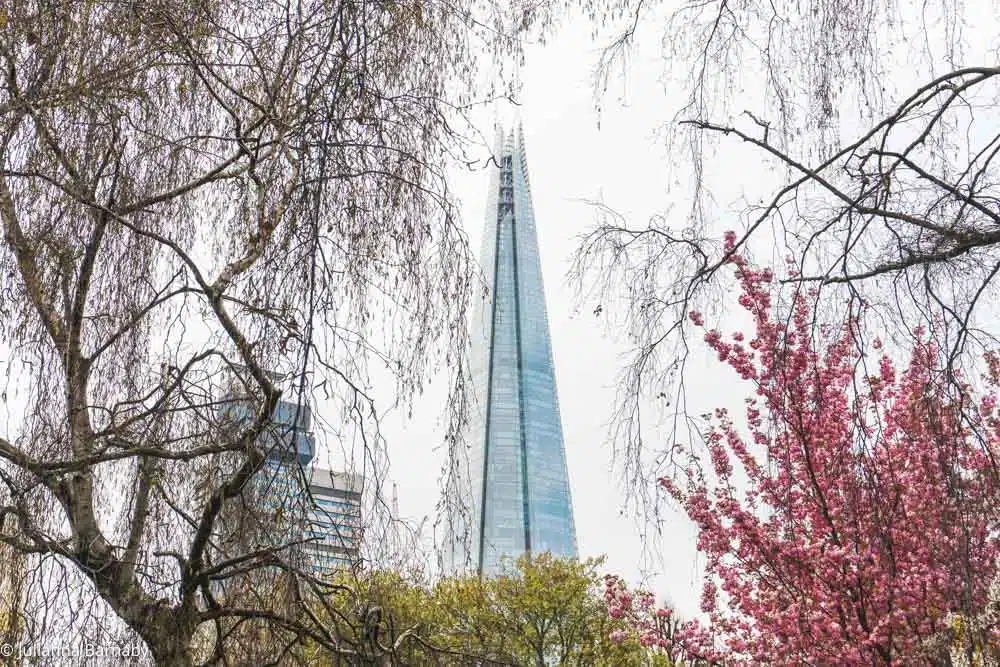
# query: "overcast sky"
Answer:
x=569 y=159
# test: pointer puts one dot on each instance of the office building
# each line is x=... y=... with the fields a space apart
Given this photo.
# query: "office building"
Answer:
x=519 y=485
x=292 y=502
x=334 y=527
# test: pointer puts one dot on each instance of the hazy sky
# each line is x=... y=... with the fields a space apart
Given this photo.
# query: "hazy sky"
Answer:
x=569 y=159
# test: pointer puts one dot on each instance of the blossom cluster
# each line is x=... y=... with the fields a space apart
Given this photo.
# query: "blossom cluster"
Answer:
x=861 y=511
x=652 y=626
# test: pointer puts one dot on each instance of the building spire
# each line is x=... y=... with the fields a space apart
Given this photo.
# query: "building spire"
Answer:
x=519 y=482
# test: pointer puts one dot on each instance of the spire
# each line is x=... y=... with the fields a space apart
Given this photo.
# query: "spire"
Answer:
x=507 y=125
x=518 y=476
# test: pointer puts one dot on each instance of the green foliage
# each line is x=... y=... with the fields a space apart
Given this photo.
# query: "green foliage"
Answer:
x=975 y=641
x=542 y=611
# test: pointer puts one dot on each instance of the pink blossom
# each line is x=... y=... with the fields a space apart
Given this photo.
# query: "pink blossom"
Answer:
x=870 y=509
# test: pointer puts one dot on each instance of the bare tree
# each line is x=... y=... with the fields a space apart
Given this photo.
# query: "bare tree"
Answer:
x=194 y=194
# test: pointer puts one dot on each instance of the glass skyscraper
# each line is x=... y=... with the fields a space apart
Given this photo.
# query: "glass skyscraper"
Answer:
x=519 y=481
x=292 y=502
x=334 y=521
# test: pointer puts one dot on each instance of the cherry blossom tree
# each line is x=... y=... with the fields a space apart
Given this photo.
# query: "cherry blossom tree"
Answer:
x=856 y=517
x=654 y=627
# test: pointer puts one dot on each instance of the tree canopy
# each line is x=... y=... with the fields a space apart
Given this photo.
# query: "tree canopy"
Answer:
x=871 y=128
x=839 y=525
x=542 y=611
x=849 y=513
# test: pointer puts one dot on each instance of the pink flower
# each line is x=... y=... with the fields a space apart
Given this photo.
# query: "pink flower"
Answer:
x=839 y=545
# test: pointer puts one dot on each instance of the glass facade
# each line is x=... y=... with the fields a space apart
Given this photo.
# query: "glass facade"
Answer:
x=287 y=438
x=326 y=519
x=334 y=520
x=518 y=464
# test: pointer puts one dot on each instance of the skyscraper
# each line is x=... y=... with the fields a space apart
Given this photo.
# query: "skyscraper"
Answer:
x=275 y=502
x=519 y=482
x=291 y=502
x=334 y=520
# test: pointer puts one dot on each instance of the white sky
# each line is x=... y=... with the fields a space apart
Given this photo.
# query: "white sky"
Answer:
x=569 y=159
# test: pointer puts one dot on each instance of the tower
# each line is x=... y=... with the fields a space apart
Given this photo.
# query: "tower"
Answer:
x=334 y=520
x=290 y=501
x=271 y=507
x=520 y=491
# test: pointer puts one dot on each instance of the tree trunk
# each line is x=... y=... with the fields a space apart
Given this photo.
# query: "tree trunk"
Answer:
x=169 y=638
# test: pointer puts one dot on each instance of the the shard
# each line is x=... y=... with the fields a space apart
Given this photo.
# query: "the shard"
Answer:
x=518 y=477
